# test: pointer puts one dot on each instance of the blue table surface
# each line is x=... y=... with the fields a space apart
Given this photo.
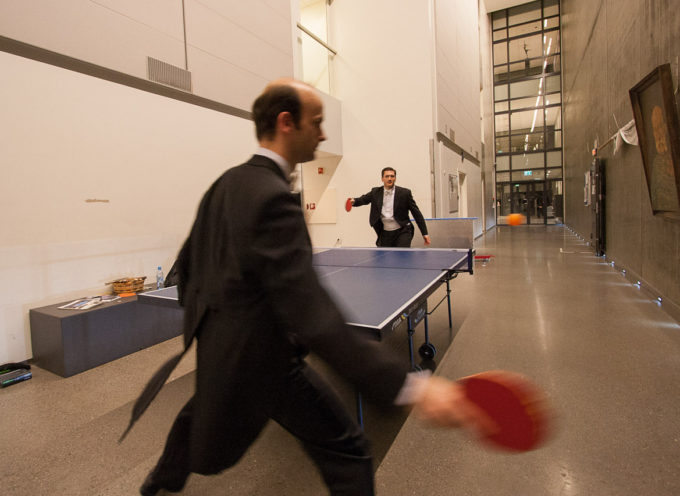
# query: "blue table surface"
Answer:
x=373 y=296
x=372 y=286
x=415 y=258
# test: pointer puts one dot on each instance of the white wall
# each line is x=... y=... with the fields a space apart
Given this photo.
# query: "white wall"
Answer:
x=451 y=163
x=233 y=47
x=69 y=137
x=458 y=103
x=118 y=34
x=457 y=50
x=316 y=57
x=397 y=91
x=382 y=76
x=487 y=109
x=66 y=138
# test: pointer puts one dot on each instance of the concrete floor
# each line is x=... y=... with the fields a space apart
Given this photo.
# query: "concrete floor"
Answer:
x=545 y=306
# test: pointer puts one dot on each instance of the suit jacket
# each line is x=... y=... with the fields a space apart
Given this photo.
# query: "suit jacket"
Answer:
x=255 y=304
x=403 y=203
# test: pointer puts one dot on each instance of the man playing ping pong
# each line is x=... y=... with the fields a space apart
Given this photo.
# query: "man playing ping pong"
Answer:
x=389 y=216
x=253 y=301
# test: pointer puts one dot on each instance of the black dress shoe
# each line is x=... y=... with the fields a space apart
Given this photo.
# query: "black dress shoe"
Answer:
x=151 y=488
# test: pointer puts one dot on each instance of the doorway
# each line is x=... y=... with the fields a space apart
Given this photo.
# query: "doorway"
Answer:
x=534 y=200
x=462 y=198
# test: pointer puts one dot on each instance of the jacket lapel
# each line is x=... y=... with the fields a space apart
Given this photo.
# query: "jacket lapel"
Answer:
x=397 y=197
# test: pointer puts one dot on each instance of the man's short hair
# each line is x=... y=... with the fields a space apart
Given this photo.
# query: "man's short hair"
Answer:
x=382 y=174
x=268 y=106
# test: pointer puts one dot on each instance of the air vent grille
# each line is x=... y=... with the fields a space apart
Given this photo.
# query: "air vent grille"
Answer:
x=164 y=73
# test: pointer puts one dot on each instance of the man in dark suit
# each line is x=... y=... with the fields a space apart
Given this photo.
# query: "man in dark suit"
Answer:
x=253 y=301
x=390 y=206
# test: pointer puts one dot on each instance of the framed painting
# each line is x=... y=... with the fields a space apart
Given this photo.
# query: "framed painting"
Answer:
x=656 y=121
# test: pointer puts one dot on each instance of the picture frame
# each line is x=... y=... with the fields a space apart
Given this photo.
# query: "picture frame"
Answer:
x=656 y=122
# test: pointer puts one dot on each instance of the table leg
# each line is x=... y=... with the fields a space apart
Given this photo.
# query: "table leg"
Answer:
x=360 y=410
x=427 y=349
x=411 y=331
x=448 y=298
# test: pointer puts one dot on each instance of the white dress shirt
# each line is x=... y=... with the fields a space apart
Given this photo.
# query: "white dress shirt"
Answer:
x=387 y=213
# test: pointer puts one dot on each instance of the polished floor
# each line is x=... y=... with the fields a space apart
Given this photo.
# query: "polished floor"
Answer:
x=543 y=305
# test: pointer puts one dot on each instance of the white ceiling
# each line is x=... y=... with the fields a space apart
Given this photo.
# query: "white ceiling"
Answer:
x=494 y=5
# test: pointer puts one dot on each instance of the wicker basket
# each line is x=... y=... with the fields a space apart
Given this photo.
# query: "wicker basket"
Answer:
x=128 y=285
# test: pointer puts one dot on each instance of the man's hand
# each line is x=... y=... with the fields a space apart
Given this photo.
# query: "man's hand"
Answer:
x=443 y=403
x=427 y=239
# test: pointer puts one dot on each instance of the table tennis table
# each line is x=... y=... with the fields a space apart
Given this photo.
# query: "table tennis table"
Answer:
x=378 y=288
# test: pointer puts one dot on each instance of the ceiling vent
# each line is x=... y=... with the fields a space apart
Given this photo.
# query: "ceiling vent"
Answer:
x=168 y=74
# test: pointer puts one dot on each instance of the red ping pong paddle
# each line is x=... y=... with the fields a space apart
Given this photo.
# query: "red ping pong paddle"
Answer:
x=348 y=204
x=515 y=404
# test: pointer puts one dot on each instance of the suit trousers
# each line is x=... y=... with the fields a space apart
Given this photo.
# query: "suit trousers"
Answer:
x=399 y=238
x=307 y=407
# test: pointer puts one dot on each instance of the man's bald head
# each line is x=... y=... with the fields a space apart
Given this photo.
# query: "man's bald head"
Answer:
x=288 y=116
x=281 y=95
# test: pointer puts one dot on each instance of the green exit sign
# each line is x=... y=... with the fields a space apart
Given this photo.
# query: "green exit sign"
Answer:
x=527 y=173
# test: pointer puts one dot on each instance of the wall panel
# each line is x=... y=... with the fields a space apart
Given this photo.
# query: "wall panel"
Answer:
x=608 y=47
x=66 y=138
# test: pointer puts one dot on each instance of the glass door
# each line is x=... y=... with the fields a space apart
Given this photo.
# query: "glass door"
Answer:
x=539 y=201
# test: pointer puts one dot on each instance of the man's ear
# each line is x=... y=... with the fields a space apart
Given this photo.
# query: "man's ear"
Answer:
x=284 y=121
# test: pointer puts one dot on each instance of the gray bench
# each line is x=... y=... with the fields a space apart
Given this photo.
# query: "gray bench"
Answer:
x=68 y=342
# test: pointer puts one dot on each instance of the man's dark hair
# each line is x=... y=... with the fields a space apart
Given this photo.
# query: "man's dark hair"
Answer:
x=386 y=169
x=267 y=107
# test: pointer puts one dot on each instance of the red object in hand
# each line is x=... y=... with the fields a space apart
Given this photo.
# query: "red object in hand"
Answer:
x=348 y=204
x=518 y=407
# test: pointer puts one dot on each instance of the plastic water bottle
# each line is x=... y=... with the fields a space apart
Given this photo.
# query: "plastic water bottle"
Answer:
x=159 y=277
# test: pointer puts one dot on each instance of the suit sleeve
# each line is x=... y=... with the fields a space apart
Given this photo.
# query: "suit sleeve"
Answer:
x=363 y=199
x=420 y=220
x=307 y=312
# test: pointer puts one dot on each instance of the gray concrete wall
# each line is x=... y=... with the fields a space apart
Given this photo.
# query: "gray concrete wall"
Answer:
x=607 y=47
